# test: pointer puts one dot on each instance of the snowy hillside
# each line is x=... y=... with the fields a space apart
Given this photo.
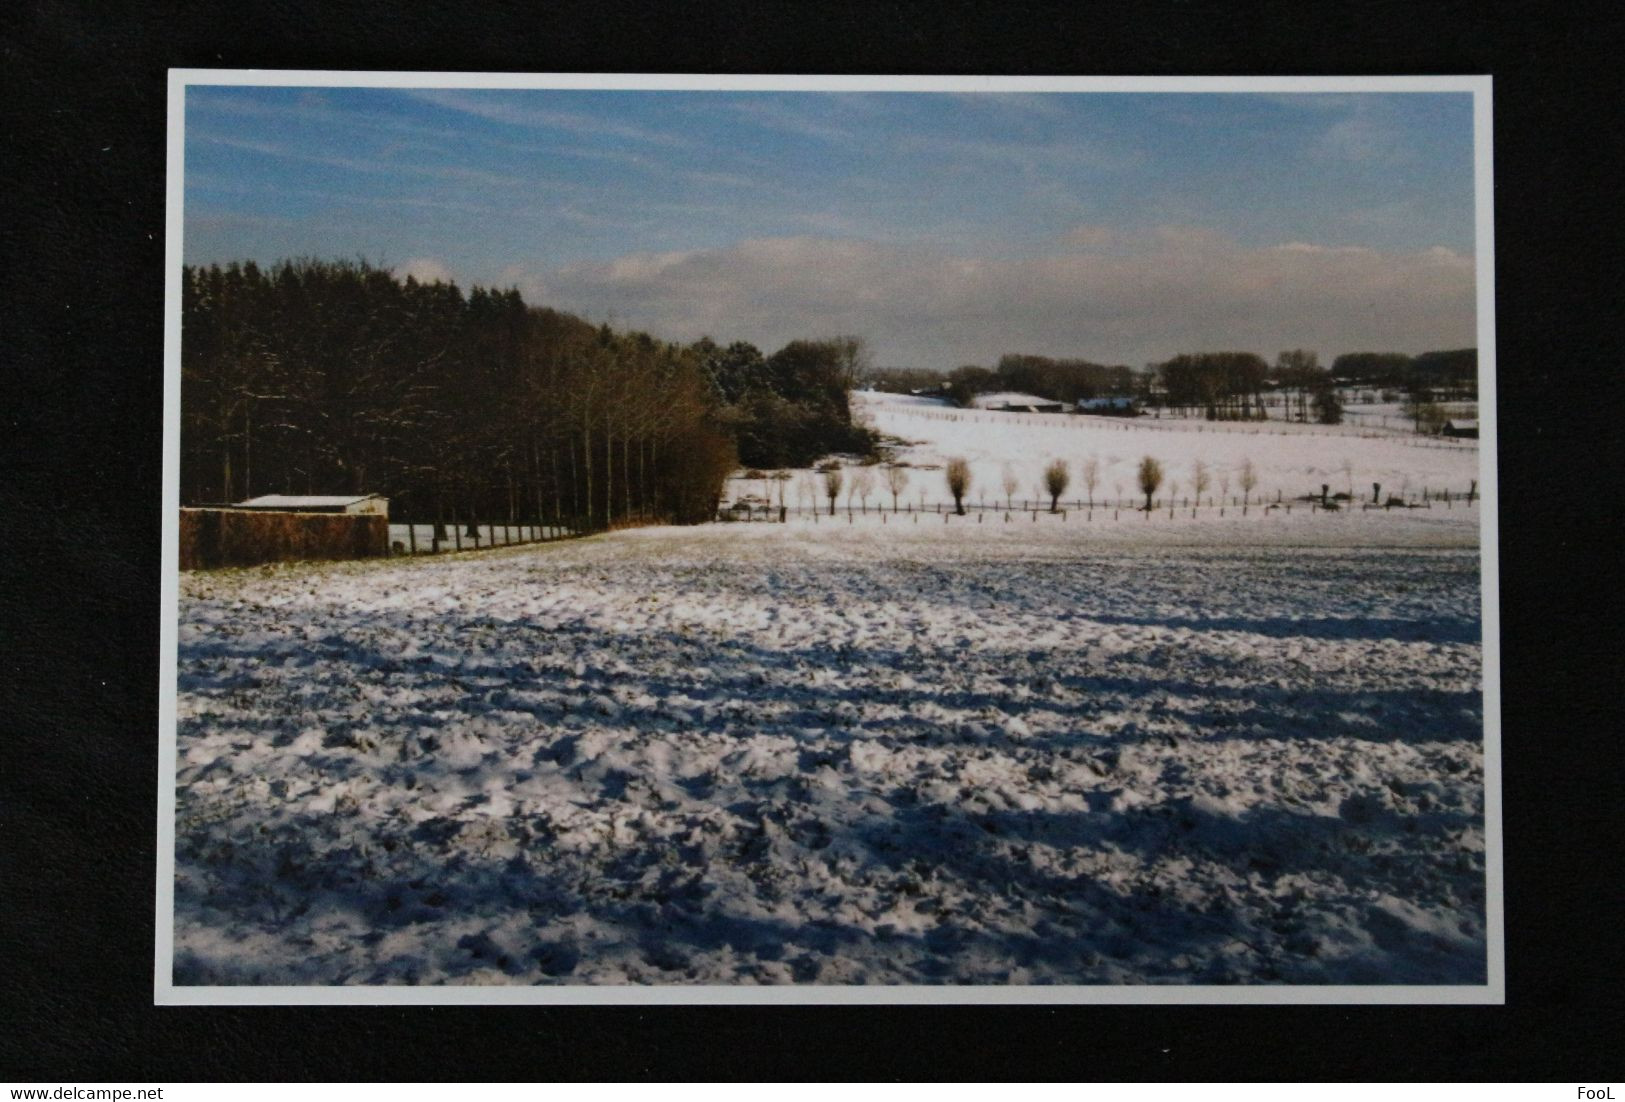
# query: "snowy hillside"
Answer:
x=1289 y=459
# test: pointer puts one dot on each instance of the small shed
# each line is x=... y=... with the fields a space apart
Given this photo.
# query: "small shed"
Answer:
x=362 y=505
x=1466 y=429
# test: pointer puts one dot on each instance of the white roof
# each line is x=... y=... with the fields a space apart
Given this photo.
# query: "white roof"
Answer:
x=1011 y=398
x=296 y=502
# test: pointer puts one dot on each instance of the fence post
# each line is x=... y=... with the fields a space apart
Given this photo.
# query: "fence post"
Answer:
x=412 y=537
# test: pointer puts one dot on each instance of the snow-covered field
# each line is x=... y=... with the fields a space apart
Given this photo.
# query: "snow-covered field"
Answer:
x=1204 y=751
x=1289 y=459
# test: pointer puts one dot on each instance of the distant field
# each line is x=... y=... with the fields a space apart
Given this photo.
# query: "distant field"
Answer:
x=1290 y=459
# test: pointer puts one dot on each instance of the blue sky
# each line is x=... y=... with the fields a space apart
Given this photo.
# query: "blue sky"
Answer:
x=1118 y=226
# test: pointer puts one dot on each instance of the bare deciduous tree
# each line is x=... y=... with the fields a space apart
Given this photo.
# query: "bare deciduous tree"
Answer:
x=863 y=482
x=832 y=484
x=1249 y=479
x=1056 y=480
x=1010 y=484
x=1150 y=477
x=1091 y=477
x=896 y=482
x=1200 y=479
x=958 y=473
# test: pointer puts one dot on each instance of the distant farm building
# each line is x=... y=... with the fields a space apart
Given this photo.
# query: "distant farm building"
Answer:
x=284 y=528
x=1467 y=429
x=366 y=504
x=1017 y=403
x=1110 y=407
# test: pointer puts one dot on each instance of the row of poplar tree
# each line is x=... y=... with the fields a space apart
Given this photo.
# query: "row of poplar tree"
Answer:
x=335 y=377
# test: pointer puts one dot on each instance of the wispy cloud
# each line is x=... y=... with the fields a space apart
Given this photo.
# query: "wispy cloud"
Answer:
x=458 y=173
x=1033 y=105
x=490 y=108
x=1024 y=155
x=661 y=166
x=1365 y=135
x=775 y=115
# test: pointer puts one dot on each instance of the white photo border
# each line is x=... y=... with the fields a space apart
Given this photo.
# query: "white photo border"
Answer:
x=167 y=993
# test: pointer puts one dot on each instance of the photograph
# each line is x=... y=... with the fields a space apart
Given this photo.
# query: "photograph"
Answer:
x=828 y=539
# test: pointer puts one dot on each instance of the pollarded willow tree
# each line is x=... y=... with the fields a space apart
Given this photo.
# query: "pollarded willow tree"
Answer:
x=833 y=480
x=863 y=483
x=1091 y=477
x=896 y=482
x=959 y=479
x=1150 y=478
x=1056 y=480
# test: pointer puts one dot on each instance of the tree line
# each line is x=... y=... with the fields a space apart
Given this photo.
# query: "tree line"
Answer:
x=1218 y=385
x=1451 y=370
x=334 y=377
x=790 y=408
x=1060 y=380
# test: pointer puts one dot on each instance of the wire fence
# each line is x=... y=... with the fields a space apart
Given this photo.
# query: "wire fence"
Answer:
x=434 y=539
x=1033 y=511
x=1364 y=431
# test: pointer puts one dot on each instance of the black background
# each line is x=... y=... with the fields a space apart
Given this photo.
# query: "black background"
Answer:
x=81 y=408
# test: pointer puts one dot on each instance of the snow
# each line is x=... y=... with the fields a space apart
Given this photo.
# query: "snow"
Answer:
x=900 y=750
x=989 y=401
x=1289 y=459
x=307 y=501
